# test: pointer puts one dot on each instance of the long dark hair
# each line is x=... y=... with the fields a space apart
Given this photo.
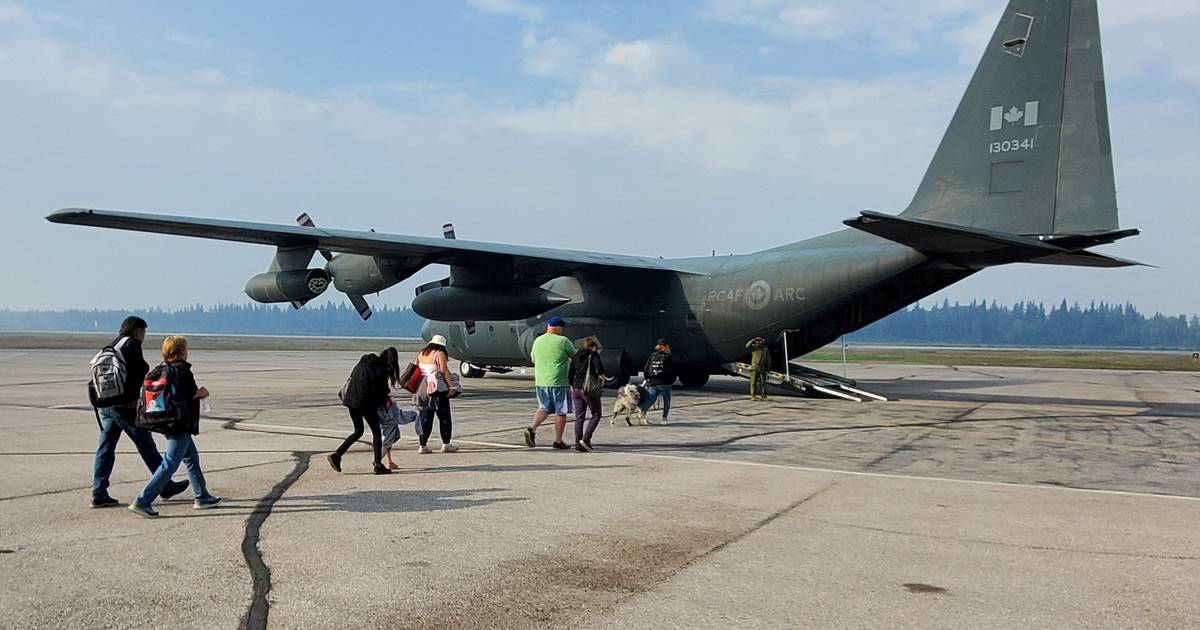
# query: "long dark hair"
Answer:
x=391 y=359
x=131 y=323
x=432 y=347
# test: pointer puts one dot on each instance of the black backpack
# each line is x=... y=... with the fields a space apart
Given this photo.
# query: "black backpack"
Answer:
x=160 y=407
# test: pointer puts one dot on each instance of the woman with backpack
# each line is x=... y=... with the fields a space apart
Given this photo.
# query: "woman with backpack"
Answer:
x=434 y=399
x=175 y=372
x=365 y=395
x=587 y=386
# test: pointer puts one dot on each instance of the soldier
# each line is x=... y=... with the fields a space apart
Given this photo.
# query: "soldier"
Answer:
x=760 y=364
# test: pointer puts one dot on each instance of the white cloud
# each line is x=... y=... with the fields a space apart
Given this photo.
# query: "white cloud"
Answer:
x=562 y=54
x=523 y=10
x=890 y=25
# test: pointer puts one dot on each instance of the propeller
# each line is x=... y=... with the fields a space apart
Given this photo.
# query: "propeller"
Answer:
x=359 y=303
x=448 y=233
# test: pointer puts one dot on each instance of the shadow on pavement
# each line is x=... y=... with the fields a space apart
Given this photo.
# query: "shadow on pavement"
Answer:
x=393 y=501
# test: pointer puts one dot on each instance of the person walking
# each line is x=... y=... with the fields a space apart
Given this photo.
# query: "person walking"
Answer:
x=551 y=356
x=660 y=376
x=587 y=386
x=434 y=399
x=119 y=416
x=364 y=395
x=181 y=448
x=760 y=364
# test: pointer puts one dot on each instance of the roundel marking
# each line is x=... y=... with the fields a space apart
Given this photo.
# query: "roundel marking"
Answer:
x=758 y=295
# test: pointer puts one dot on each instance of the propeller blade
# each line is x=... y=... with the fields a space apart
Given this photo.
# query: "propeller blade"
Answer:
x=360 y=305
x=448 y=233
x=306 y=221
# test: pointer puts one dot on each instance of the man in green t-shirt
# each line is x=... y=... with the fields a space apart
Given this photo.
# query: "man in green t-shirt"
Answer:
x=551 y=357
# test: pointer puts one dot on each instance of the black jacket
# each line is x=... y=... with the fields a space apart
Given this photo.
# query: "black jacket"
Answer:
x=368 y=384
x=579 y=366
x=186 y=388
x=135 y=369
x=668 y=375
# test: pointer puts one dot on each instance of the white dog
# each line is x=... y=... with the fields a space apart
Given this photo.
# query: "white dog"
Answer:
x=629 y=398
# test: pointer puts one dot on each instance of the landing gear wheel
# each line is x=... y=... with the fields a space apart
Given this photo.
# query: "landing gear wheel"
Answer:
x=616 y=382
x=470 y=371
x=693 y=380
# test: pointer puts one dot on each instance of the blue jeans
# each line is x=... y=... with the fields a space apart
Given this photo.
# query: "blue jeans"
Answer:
x=652 y=394
x=113 y=422
x=180 y=448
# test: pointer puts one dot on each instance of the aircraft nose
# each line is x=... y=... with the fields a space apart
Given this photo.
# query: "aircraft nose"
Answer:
x=427 y=331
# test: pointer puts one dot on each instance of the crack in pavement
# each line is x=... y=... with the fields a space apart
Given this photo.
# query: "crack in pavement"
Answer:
x=764 y=522
x=260 y=604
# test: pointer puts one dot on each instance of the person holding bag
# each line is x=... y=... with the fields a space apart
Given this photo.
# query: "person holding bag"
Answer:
x=365 y=395
x=433 y=397
x=587 y=387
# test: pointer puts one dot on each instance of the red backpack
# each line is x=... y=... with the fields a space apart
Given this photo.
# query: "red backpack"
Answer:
x=160 y=406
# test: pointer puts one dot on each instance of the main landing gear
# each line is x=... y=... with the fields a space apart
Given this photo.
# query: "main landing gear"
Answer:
x=466 y=370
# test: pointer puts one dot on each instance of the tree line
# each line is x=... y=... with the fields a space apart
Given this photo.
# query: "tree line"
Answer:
x=1031 y=324
x=978 y=323
x=329 y=319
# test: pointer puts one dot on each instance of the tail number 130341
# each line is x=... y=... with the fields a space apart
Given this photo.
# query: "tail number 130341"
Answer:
x=1008 y=146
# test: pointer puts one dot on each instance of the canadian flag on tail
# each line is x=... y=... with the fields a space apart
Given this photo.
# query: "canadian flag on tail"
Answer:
x=1011 y=115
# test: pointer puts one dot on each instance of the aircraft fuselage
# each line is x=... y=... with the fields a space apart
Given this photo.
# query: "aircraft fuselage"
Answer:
x=811 y=292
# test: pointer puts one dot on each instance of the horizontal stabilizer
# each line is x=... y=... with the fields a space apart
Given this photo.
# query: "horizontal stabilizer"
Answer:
x=976 y=248
x=1084 y=258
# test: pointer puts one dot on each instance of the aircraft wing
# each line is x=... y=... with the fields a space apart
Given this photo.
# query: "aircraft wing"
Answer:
x=532 y=263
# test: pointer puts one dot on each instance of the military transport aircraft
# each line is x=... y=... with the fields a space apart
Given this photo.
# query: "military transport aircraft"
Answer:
x=1023 y=175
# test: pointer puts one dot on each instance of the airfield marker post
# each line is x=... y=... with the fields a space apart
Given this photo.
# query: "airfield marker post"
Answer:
x=844 y=357
x=787 y=359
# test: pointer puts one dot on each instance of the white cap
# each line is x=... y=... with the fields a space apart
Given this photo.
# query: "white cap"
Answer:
x=439 y=340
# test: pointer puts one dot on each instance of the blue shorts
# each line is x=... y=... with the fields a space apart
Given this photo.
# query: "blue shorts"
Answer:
x=553 y=400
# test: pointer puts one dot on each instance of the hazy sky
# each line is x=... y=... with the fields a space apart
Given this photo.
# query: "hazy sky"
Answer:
x=657 y=128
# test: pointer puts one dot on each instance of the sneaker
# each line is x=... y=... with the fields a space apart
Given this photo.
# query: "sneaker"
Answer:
x=449 y=448
x=560 y=446
x=335 y=461
x=173 y=488
x=583 y=446
x=424 y=450
x=104 y=501
x=380 y=469
x=530 y=438
x=206 y=502
x=144 y=511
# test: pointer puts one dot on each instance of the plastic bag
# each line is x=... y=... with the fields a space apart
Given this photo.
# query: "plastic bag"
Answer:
x=206 y=408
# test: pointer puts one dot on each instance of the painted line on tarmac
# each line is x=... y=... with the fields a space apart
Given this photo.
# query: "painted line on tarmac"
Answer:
x=15 y=354
x=908 y=477
x=796 y=468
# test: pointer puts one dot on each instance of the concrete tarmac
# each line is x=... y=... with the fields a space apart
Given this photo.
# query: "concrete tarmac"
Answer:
x=979 y=497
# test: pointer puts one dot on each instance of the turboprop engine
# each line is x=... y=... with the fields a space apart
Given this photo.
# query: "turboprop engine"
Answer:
x=450 y=303
x=300 y=286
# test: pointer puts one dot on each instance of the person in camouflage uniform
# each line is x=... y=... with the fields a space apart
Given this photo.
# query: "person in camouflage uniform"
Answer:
x=760 y=364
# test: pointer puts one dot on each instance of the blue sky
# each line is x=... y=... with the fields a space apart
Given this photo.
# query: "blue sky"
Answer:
x=665 y=128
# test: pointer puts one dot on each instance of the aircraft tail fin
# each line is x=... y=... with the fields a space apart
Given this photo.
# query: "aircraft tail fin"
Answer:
x=1028 y=150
